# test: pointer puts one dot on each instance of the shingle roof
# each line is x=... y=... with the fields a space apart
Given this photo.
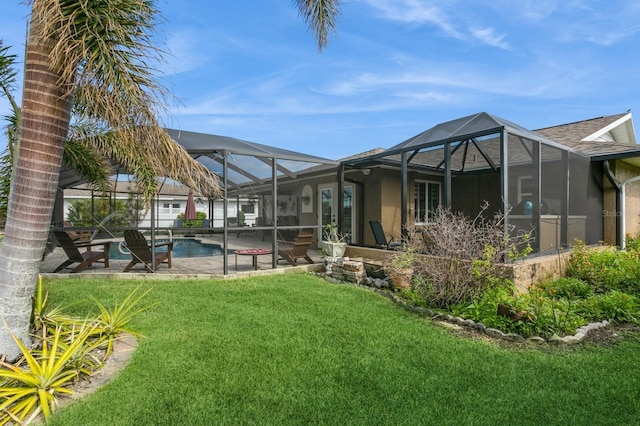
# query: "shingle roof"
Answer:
x=573 y=135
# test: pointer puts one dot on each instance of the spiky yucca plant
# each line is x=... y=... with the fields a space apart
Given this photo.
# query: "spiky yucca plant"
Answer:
x=111 y=323
x=34 y=387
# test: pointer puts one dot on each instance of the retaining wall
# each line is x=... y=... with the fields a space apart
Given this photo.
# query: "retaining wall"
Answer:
x=524 y=273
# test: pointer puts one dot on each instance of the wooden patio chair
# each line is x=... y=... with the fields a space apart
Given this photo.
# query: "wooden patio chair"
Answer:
x=291 y=251
x=83 y=236
x=86 y=258
x=141 y=251
x=381 y=239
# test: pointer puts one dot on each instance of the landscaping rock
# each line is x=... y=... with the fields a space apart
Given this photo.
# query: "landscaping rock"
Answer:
x=513 y=337
x=495 y=333
x=556 y=340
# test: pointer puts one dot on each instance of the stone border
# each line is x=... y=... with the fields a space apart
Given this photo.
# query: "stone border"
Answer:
x=477 y=326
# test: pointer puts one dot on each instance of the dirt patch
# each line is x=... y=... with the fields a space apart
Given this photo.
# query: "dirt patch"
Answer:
x=607 y=336
x=612 y=334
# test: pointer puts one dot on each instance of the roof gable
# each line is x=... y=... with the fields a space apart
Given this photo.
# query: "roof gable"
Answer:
x=613 y=129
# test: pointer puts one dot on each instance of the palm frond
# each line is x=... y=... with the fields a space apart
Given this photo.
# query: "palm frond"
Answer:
x=81 y=155
x=105 y=49
x=321 y=17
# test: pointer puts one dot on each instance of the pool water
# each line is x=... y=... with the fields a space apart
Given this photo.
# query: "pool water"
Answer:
x=182 y=247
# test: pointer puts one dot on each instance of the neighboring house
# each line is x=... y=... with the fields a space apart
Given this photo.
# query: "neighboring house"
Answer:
x=170 y=202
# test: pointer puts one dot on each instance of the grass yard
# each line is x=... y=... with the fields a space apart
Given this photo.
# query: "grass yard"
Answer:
x=295 y=349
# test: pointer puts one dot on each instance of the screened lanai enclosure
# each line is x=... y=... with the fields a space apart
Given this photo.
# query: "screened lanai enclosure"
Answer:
x=541 y=186
x=263 y=198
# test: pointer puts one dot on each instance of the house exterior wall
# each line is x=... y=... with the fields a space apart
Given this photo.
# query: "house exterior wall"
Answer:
x=622 y=171
x=372 y=203
x=469 y=192
x=390 y=198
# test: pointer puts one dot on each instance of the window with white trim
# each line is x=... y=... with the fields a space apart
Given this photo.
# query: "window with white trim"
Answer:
x=427 y=199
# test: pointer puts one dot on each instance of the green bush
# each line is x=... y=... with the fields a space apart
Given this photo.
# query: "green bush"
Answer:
x=632 y=243
x=613 y=305
x=540 y=314
x=567 y=287
x=193 y=223
x=603 y=285
x=120 y=213
x=485 y=309
x=606 y=268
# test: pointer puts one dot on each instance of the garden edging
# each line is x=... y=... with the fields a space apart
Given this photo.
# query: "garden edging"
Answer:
x=581 y=332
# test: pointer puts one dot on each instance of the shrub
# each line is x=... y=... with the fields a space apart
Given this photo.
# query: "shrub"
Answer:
x=193 y=223
x=632 y=243
x=567 y=287
x=465 y=257
x=484 y=309
x=606 y=268
x=613 y=305
x=120 y=213
x=549 y=316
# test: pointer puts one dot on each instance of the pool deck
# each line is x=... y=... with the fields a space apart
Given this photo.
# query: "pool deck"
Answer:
x=195 y=267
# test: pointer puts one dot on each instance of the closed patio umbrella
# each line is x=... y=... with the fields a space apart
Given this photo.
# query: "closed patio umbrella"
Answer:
x=190 y=210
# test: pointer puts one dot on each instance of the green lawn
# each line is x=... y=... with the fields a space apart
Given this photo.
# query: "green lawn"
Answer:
x=295 y=349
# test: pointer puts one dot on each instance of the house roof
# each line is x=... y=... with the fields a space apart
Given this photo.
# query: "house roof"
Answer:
x=601 y=138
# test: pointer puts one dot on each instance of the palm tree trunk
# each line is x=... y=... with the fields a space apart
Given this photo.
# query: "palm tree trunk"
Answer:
x=46 y=108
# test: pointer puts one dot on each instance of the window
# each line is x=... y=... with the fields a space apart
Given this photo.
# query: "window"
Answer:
x=171 y=205
x=525 y=188
x=248 y=208
x=427 y=200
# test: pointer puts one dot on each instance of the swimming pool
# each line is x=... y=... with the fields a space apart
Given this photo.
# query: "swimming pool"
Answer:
x=182 y=247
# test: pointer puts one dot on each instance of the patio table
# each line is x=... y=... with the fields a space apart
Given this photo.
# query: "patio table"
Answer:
x=252 y=252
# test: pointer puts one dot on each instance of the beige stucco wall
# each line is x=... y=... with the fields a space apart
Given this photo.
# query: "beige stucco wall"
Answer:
x=626 y=171
x=622 y=171
x=372 y=206
x=390 y=196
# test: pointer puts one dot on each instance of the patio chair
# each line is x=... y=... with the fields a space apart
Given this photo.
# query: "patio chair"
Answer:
x=291 y=251
x=141 y=251
x=381 y=239
x=86 y=258
x=75 y=235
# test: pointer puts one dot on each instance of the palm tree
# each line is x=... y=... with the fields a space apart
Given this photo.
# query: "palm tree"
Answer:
x=95 y=57
x=78 y=154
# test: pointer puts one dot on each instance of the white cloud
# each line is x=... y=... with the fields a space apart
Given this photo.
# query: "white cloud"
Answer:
x=415 y=12
x=185 y=53
x=488 y=36
x=441 y=15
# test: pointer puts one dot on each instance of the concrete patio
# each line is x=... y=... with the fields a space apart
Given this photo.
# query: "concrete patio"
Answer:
x=195 y=267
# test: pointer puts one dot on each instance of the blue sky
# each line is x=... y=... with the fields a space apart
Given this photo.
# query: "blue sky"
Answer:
x=250 y=69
